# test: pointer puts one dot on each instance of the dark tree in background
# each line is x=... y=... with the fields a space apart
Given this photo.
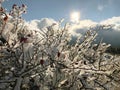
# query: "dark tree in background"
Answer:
x=44 y=60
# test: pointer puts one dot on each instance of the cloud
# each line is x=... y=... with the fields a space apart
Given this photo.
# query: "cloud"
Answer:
x=40 y=24
x=113 y=20
x=45 y=22
x=100 y=7
x=108 y=30
x=33 y=25
x=81 y=27
x=104 y=5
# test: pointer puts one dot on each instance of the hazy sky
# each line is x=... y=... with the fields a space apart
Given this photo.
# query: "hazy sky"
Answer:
x=95 y=10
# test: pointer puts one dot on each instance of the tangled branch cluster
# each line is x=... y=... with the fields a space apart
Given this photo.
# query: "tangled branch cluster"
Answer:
x=45 y=60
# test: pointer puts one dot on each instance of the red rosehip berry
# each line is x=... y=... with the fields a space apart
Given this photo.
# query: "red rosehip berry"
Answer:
x=58 y=54
x=23 y=39
x=41 y=61
x=5 y=18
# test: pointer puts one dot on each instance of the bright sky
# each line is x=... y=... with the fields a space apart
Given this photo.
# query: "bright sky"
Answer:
x=96 y=10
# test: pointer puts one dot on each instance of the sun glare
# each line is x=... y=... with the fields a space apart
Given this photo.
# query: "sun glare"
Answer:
x=75 y=17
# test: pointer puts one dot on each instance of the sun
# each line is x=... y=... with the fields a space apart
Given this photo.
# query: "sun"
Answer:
x=75 y=17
